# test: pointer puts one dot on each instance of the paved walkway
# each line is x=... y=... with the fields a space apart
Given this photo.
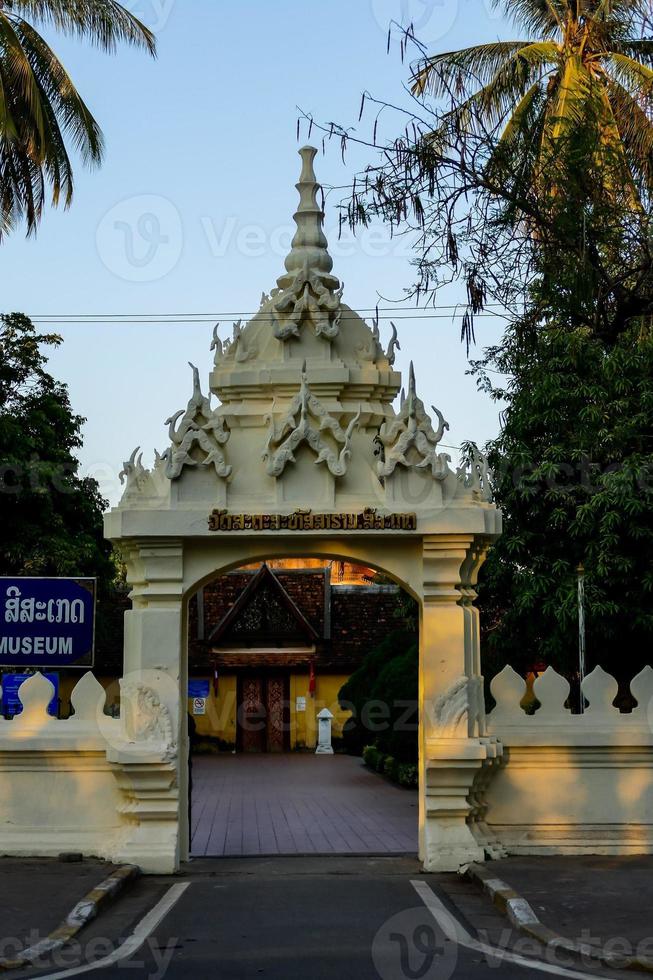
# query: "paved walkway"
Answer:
x=298 y=804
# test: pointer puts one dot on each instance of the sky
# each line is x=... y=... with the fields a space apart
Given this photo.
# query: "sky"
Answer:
x=191 y=211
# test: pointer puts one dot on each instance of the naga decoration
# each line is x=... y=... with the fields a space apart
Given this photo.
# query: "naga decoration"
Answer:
x=133 y=474
x=451 y=710
x=217 y=345
x=297 y=428
x=234 y=349
x=372 y=350
x=393 y=346
x=477 y=476
x=308 y=291
x=412 y=430
x=198 y=428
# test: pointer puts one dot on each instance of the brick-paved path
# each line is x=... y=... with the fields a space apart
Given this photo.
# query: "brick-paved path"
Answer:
x=298 y=804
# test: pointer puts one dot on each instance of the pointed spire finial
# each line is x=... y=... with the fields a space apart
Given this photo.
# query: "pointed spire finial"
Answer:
x=412 y=390
x=309 y=250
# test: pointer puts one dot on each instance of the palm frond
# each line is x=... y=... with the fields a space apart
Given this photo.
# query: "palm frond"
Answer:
x=520 y=119
x=19 y=81
x=566 y=112
x=544 y=17
x=480 y=62
x=632 y=74
x=636 y=130
x=106 y=23
x=492 y=103
x=60 y=96
x=641 y=49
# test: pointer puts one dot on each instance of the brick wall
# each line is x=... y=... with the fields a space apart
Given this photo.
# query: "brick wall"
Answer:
x=360 y=618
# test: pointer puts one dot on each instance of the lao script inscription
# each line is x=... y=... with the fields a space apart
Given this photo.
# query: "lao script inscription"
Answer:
x=306 y=520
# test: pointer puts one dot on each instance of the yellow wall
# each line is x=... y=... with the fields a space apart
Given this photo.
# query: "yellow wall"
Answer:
x=220 y=718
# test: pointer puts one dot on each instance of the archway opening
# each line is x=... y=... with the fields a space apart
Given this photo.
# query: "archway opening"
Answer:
x=302 y=710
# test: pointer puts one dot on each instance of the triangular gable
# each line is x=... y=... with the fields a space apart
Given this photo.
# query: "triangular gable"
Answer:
x=263 y=613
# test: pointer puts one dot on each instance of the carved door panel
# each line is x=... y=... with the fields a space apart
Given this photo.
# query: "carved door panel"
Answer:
x=252 y=715
x=276 y=714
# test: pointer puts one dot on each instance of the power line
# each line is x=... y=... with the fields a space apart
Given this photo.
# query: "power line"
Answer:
x=162 y=319
x=412 y=312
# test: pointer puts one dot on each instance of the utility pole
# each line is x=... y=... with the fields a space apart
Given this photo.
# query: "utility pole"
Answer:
x=581 y=633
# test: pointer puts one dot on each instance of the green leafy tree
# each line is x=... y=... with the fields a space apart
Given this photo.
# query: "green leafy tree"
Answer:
x=50 y=516
x=42 y=114
x=383 y=696
x=526 y=172
x=574 y=478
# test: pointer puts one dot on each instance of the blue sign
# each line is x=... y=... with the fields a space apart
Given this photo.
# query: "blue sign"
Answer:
x=47 y=622
x=198 y=689
x=11 y=703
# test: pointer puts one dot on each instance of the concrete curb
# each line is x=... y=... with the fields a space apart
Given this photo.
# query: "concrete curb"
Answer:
x=84 y=912
x=521 y=915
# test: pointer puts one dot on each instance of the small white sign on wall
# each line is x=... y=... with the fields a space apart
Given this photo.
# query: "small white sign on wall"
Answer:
x=199 y=706
x=300 y=704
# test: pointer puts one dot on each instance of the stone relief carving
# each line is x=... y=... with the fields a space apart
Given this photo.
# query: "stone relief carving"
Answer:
x=297 y=428
x=308 y=297
x=451 y=710
x=412 y=430
x=146 y=718
x=198 y=428
x=476 y=476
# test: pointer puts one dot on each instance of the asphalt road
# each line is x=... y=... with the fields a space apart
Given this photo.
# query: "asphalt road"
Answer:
x=289 y=919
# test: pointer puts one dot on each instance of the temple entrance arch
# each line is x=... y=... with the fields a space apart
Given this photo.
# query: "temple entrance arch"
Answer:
x=270 y=646
x=306 y=454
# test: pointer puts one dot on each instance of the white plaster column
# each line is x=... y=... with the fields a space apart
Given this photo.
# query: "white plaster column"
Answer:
x=150 y=764
x=449 y=758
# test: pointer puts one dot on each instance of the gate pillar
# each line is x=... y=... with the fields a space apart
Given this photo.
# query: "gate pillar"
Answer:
x=451 y=704
x=147 y=759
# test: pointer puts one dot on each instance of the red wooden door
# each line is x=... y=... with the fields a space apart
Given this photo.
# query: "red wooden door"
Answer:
x=276 y=714
x=263 y=713
x=252 y=715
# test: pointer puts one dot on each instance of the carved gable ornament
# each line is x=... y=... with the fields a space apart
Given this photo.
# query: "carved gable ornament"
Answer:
x=410 y=439
x=197 y=435
x=307 y=422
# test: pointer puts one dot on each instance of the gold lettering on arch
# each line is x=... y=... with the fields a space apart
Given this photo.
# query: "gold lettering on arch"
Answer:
x=305 y=520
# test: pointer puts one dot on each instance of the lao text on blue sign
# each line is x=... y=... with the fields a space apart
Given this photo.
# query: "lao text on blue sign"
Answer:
x=11 y=703
x=47 y=622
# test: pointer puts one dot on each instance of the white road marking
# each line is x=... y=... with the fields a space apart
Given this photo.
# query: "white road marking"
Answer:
x=133 y=943
x=455 y=932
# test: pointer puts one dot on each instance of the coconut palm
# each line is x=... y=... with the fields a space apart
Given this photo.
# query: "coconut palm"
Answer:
x=41 y=112
x=586 y=68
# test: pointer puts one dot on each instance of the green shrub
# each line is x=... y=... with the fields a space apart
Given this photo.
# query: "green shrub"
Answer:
x=388 y=674
x=371 y=756
x=390 y=768
x=407 y=775
x=211 y=745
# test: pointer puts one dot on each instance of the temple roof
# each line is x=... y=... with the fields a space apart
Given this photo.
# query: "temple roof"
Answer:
x=263 y=613
x=299 y=412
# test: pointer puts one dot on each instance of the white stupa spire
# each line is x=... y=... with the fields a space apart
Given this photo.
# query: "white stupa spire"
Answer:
x=310 y=249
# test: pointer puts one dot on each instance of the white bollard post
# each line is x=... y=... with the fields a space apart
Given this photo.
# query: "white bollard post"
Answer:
x=324 y=746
